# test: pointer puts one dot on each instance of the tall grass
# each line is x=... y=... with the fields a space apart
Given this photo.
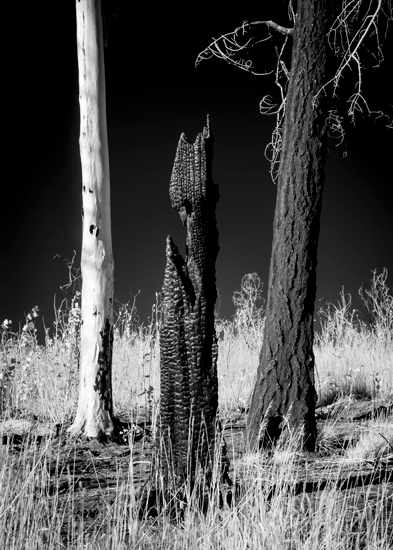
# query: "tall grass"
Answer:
x=354 y=352
x=31 y=515
x=354 y=358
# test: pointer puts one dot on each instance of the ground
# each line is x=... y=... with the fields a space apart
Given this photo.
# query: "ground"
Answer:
x=90 y=475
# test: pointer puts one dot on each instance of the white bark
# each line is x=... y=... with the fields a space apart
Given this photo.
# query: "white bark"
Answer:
x=94 y=414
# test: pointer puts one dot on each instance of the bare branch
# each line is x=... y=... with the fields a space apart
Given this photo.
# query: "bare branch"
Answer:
x=266 y=107
x=227 y=46
x=336 y=133
x=346 y=40
x=275 y=26
x=352 y=30
x=230 y=47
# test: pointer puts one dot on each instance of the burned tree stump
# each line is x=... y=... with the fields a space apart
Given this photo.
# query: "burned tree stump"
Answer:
x=188 y=343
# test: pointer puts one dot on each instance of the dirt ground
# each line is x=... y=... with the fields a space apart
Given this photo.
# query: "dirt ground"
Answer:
x=92 y=472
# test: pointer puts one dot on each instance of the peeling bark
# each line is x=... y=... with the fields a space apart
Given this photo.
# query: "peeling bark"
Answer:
x=188 y=343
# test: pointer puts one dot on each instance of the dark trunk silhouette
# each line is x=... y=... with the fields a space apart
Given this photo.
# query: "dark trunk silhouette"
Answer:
x=188 y=343
x=284 y=393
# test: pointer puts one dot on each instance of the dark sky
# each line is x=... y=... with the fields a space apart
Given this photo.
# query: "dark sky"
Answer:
x=154 y=93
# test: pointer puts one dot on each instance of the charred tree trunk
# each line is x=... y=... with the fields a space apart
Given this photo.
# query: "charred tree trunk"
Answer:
x=188 y=343
x=284 y=392
x=94 y=414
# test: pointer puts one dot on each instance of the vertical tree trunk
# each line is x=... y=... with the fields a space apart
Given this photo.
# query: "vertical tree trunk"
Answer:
x=94 y=415
x=188 y=343
x=284 y=392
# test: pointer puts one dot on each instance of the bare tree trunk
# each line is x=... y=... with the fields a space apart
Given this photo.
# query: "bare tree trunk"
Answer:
x=188 y=343
x=284 y=392
x=94 y=415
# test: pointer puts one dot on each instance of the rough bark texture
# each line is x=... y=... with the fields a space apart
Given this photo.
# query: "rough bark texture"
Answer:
x=284 y=392
x=94 y=414
x=188 y=344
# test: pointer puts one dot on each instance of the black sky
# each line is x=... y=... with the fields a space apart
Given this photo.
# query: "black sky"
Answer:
x=154 y=93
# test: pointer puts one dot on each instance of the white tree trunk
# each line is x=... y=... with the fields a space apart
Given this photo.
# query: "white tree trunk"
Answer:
x=94 y=415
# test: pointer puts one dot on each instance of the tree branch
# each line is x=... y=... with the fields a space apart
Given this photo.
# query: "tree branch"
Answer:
x=273 y=25
x=227 y=45
x=231 y=47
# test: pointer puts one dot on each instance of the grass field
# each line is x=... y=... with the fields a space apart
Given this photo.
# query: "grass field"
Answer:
x=354 y=363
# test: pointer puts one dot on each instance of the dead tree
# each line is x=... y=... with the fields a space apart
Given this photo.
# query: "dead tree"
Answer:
x=94 y=414
x=188 y=343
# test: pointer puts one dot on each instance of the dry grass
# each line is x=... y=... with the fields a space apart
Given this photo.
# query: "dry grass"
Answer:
x=31 y=517
x=352 y=360
x=354 y=356
x=375 y=441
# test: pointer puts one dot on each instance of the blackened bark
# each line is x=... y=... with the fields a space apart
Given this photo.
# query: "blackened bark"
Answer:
x=103 y=383
x=284 y=392
x=188 y=343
